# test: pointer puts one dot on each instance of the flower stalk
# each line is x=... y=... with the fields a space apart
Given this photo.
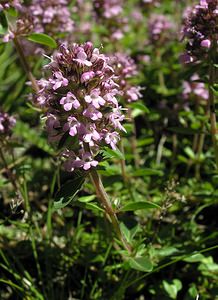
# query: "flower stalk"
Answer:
x=25 y=64
x=106 y=204
x=211 y=104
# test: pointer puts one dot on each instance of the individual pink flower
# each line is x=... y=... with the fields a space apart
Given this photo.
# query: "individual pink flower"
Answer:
x=58 y=81
x=69 y=102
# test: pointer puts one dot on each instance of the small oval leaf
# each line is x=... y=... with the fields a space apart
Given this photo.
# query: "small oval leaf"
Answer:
x=86 y=199
x=139 y=205
x=140 y=106
x=67 y=192
x=43 y=39
x=89 y=206
x=142 y=264
x=110 y=153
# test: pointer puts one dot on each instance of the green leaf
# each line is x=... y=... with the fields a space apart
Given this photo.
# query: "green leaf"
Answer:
x=165 y=251
x=192 y=291
x=129 y=233
x=3 y=20
x=198 y=257
x=12 y=12
x=147 y=172
x=142 y=264
x=139 y=205
x=126 y=232
x=43 y=39
x=110 y=153
x=172 y=289
x=90 y=206
x=189 y=152
x=86 y=199
x=67 y=192
x=140 y=106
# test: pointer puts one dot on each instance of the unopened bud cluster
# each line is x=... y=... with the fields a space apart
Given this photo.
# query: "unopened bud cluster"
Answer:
x=80 y=97
x=201 y=30
x=110 y=14
x=9 y=4
x=159 y=27
x=51 y=17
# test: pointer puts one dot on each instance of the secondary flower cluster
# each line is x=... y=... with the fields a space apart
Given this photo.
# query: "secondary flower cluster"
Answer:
x=201 y=30
x=194 y=88
x=125 y=69
x=7 y=122
x=8 y=4
x=51 y=16
x=42 y=16
x=81 y=105
x=109 y=13
x=158 y=28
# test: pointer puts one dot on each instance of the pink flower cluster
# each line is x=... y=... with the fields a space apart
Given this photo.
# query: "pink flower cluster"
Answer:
x=7 y=122
x=159 y=27
x=10 y=3
x=24 y=26
x=109 y=8
x=201 y=30
x=80 y=97
x=51 y=16
x=125 y=70
x=110 y=14
x=42 y=16
x=195 y=88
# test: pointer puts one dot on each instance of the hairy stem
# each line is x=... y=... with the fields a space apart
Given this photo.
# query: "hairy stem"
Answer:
x=25 y=64
x=106 y=204
x=123 y=164
x=211 y=104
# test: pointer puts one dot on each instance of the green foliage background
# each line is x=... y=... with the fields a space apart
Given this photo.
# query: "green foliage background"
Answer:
x=167 y=205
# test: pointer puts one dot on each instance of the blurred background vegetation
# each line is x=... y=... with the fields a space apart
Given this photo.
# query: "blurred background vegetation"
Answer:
x=69 y=253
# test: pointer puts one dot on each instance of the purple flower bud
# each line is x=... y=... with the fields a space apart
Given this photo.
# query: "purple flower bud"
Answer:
x=206 y=43
x=200 y=29
x=186 y=58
